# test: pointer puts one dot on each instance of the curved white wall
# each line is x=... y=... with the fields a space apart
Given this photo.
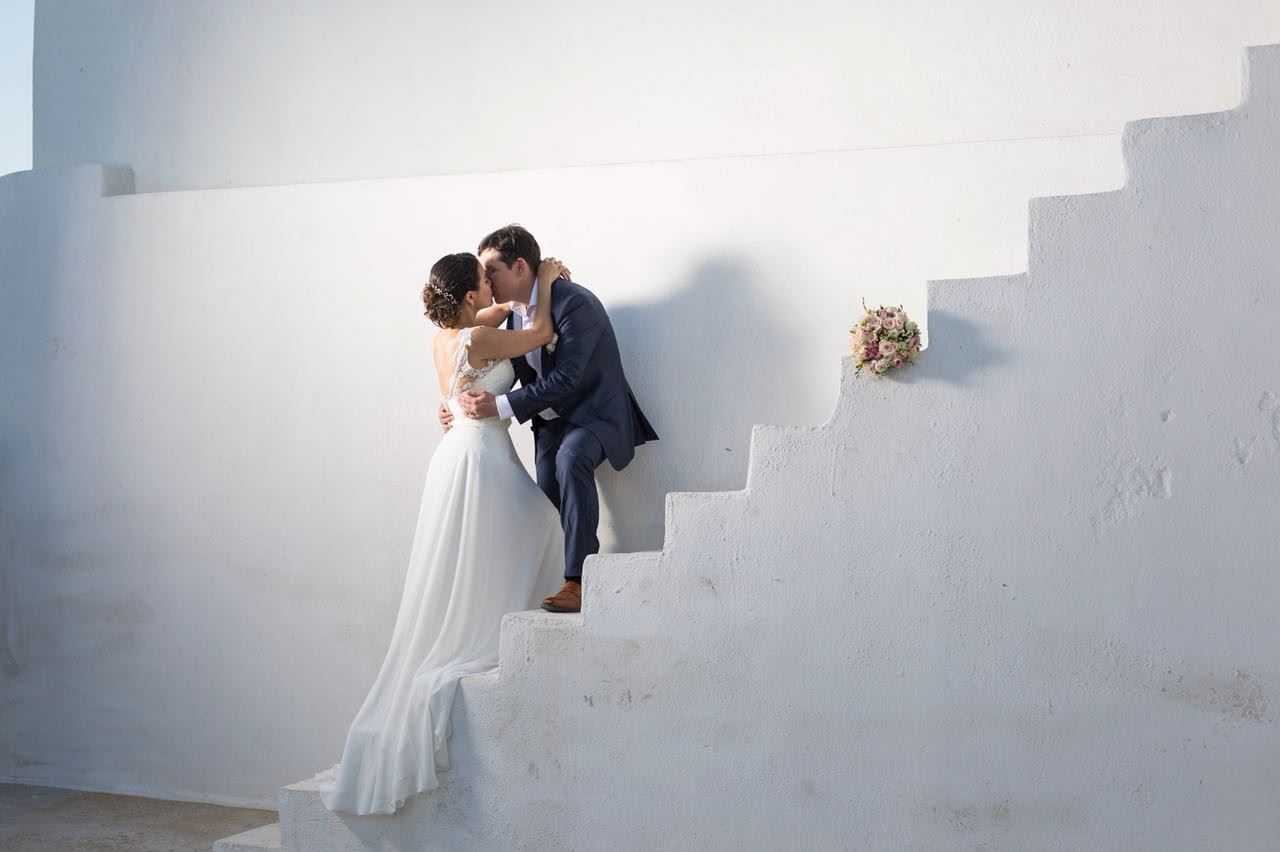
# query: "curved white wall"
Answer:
x=208 y=93
x=221 y=399
x=222 y=409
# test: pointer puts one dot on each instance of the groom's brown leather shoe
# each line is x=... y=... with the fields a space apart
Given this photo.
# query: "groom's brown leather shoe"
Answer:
x=568 y=599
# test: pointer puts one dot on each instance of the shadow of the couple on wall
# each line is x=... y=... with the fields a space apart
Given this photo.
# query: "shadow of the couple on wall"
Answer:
x=706 y=363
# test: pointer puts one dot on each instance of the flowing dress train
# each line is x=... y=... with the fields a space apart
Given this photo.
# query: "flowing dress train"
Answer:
x=488 y=542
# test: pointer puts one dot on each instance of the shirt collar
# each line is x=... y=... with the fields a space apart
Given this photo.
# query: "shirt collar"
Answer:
x=523 y=310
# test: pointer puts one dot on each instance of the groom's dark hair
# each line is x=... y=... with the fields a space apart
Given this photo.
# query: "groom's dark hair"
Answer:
x=511 y=242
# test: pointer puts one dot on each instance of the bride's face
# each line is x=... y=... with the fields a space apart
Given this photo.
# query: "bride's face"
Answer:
x=484 y=291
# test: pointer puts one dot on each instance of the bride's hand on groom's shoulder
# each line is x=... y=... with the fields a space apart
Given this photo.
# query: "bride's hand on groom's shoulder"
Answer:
x=549 y=270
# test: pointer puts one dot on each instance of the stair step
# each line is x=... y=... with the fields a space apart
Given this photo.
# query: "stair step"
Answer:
x=263 y=837
x=619 y=591
x=533 y=636
x=691 y=513
x=1057 y=226
x=309 y=825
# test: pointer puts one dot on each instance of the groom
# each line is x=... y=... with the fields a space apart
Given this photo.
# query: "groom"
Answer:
x=574 y=392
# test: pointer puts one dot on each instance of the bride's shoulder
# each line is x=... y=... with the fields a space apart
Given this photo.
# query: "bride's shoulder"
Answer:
x=445 y=345
x=445 y=340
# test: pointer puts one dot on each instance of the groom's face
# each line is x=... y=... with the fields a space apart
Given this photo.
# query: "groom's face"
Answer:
x=507 y=281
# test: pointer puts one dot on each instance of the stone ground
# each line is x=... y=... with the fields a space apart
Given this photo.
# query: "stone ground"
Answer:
x=50 y=819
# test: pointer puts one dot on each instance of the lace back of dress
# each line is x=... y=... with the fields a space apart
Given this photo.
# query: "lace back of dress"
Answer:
x=464 y=375
x=460 y=363
x=496 y=376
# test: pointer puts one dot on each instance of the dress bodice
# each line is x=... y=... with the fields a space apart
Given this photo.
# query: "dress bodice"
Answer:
x=496 y=376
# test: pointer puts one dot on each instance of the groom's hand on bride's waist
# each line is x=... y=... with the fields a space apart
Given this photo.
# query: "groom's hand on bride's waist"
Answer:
x=446 y=417
x=478 y=404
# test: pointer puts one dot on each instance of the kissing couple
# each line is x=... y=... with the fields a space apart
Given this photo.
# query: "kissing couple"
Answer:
x=489 y=540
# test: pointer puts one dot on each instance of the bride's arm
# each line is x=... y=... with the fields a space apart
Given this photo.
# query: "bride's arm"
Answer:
x=494 y=315
x=492 y=343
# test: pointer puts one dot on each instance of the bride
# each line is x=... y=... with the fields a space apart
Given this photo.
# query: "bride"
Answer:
x=488 y=542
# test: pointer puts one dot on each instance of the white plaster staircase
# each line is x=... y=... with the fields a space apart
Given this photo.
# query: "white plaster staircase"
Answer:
x=665 y=644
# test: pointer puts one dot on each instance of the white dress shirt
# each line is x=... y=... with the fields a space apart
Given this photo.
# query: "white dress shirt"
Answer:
x=522 y=315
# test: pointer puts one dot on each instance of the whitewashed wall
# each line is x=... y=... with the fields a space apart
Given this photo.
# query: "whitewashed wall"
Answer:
x=207 y=93
x=1020 y=596
x=222 y=410
x=218 y=403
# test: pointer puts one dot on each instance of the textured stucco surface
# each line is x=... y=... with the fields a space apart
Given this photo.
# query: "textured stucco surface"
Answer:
x=1019 y=597
x=1014 y=597
x=215 y=93
x=219 y=410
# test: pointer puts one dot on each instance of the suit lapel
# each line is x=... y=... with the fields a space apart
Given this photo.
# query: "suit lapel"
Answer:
x=549 y=356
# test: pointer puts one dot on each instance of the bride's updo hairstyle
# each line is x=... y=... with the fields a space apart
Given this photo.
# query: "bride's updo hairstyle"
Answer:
x=452 y=277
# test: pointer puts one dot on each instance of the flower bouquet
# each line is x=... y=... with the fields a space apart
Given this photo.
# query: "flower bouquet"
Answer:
x=884 y=338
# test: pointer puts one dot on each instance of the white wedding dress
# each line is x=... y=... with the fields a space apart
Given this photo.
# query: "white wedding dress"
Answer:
x=488 y=542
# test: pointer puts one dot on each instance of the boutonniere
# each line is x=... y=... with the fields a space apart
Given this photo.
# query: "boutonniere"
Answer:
x=551 y=347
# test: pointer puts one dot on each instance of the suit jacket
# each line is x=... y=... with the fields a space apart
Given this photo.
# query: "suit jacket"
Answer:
x=582 y=377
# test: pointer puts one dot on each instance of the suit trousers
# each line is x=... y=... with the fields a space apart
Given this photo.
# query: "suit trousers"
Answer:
x=566 y=457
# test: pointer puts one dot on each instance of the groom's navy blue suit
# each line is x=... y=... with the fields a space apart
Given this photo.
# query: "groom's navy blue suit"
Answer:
x=583 y=382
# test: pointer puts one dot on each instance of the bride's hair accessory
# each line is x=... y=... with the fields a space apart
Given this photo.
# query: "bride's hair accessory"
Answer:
x=452 y=278
x=884 y=338
x=443 y=293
